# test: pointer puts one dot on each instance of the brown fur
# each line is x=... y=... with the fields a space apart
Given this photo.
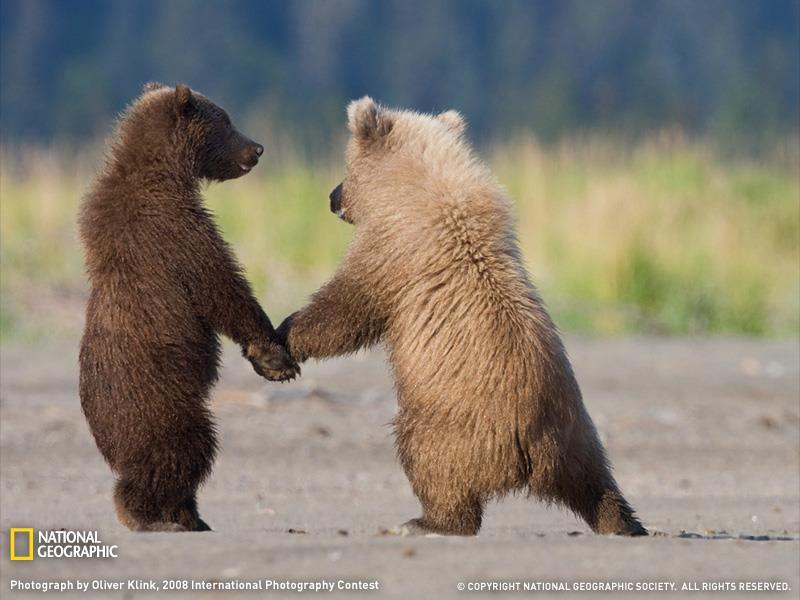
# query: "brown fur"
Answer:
x=163 y=285
x=488 y=403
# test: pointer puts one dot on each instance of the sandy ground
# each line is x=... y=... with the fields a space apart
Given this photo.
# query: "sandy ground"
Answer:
x=703 y=435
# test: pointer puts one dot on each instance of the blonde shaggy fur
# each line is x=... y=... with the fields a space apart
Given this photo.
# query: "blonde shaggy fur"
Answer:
x=488 y=403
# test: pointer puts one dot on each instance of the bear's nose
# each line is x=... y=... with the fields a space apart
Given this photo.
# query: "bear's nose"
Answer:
x=251 y=153
x=336 y=200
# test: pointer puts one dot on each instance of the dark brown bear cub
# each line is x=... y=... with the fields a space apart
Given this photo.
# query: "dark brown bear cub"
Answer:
x=163 y=285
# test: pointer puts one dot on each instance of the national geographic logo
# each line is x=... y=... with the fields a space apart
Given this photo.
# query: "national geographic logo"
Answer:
x=20 y=545
x=61 y=543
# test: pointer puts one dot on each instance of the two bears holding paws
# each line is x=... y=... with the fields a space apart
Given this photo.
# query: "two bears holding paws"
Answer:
x=488 y=402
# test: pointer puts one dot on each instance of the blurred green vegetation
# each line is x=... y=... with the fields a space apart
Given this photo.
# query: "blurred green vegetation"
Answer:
x=626 y=225
x=665 y=235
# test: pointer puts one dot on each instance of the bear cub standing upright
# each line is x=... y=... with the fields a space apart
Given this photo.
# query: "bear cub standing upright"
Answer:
x=163 y=285
x=488 y=403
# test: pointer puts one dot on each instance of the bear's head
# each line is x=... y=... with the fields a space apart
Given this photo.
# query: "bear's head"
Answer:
x=389 y=153
x=195 y=130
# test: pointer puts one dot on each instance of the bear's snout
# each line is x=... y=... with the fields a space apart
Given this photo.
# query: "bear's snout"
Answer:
x=336 y=201
x=250 y=154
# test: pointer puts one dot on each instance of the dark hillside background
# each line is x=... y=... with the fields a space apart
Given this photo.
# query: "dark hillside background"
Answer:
x=728 y=68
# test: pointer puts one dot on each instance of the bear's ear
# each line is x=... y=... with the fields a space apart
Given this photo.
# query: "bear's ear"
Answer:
x=454 y=120
x=366 y=120
x=184 y=99
x=151 y=86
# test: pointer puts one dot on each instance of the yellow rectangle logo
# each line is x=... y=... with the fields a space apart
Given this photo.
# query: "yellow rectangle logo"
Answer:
x=12 y=541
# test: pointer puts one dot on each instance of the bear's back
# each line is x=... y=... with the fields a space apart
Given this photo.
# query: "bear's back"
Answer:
x=466 y=315
x=137 y=257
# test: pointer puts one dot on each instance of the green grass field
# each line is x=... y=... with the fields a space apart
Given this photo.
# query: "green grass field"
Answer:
x=664 y=235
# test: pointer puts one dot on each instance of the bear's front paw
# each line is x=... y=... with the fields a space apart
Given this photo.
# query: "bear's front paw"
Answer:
x=272 y=362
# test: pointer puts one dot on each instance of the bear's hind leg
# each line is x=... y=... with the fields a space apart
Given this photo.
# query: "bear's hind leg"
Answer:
x=445 y=511
x=445 y=488
x=610 y=513
x=582 y=480
x=156 y=490
x=137 y=510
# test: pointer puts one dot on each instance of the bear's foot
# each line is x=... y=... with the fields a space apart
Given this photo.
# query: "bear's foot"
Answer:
x=162 y=526
x=190 y=522
x=411 y=528
x=614 y=516
x=421 y=527
x=631 y=528
x=636 y=530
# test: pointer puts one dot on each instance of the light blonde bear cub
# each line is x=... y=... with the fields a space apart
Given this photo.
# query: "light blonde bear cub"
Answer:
x=488 y=403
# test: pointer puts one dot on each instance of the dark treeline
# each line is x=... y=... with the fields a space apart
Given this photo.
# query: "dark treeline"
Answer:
x=728 y=68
